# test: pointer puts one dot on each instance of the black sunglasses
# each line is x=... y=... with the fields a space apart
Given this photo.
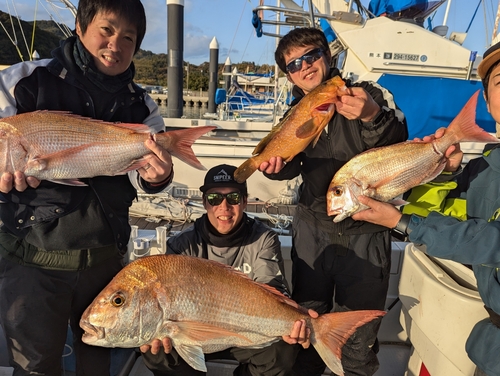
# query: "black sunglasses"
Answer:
x=310 y=57
x=233 y=198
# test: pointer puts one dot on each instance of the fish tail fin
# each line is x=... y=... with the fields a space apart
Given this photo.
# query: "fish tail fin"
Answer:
x=247 y=168
x=465 y=127
x=332 y=330
x=178 y=143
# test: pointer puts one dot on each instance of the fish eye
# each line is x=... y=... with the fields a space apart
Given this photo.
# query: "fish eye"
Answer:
x=337 y=191
x=117 y=300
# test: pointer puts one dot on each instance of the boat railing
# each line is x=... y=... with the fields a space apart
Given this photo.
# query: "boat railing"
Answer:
x=299 y=17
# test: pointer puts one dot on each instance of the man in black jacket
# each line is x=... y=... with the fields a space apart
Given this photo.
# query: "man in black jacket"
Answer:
x=60 y=245
x=343 y=265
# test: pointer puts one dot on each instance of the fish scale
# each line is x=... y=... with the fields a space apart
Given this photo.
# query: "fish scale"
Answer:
x=412 y=166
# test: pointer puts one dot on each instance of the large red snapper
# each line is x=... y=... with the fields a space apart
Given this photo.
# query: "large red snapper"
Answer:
x=204 y=307
x=302 y=125
x=386 y=172
x=58 y=146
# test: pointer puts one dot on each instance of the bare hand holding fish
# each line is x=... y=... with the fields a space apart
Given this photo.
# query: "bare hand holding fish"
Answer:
x=18 y=181
x=357 y=105
x=159 y=163
x=454 y=154
x=380 y=213
x=273 y=166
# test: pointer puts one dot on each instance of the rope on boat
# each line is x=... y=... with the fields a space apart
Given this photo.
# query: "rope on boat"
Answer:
x=158 y=207
x=280 y=221
x=164 y=206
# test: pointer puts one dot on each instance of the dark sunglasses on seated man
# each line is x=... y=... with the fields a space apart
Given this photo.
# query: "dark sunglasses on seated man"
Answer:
x=233 y=198
x=309 y=57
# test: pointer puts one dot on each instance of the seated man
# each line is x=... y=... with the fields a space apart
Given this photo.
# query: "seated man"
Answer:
x=227 y=235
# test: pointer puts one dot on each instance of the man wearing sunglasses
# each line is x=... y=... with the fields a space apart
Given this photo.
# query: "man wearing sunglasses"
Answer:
x=227 y=235
x=341 y=266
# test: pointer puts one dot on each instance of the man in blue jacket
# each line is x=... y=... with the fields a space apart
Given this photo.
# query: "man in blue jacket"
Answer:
x=60 y=245
x=472 y=234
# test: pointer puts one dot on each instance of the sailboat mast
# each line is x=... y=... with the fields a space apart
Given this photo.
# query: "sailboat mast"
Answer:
x=447 y=12
x=276 y=68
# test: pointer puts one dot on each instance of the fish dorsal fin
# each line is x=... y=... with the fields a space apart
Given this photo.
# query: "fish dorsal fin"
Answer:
x=262 y=145
x=139 y=128
x=136 y=127
x=281 y=297
x=274 y=130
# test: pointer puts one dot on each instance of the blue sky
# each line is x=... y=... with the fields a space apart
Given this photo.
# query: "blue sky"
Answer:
x=229 y=21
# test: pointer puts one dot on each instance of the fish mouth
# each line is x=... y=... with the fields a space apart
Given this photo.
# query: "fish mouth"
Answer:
x=91 y=332
x=324 y=107
x=335 y=211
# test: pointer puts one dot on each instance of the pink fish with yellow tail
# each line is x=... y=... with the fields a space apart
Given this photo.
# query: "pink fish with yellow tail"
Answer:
x=61 y=147
x=204 y=306
x=386 y=172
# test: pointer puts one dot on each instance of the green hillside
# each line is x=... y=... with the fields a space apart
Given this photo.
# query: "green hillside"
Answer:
x=151 y=68
x=46 y=37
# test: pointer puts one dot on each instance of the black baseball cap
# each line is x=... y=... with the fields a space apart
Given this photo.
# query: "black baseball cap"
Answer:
x=222 y=176
x=490 y=57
